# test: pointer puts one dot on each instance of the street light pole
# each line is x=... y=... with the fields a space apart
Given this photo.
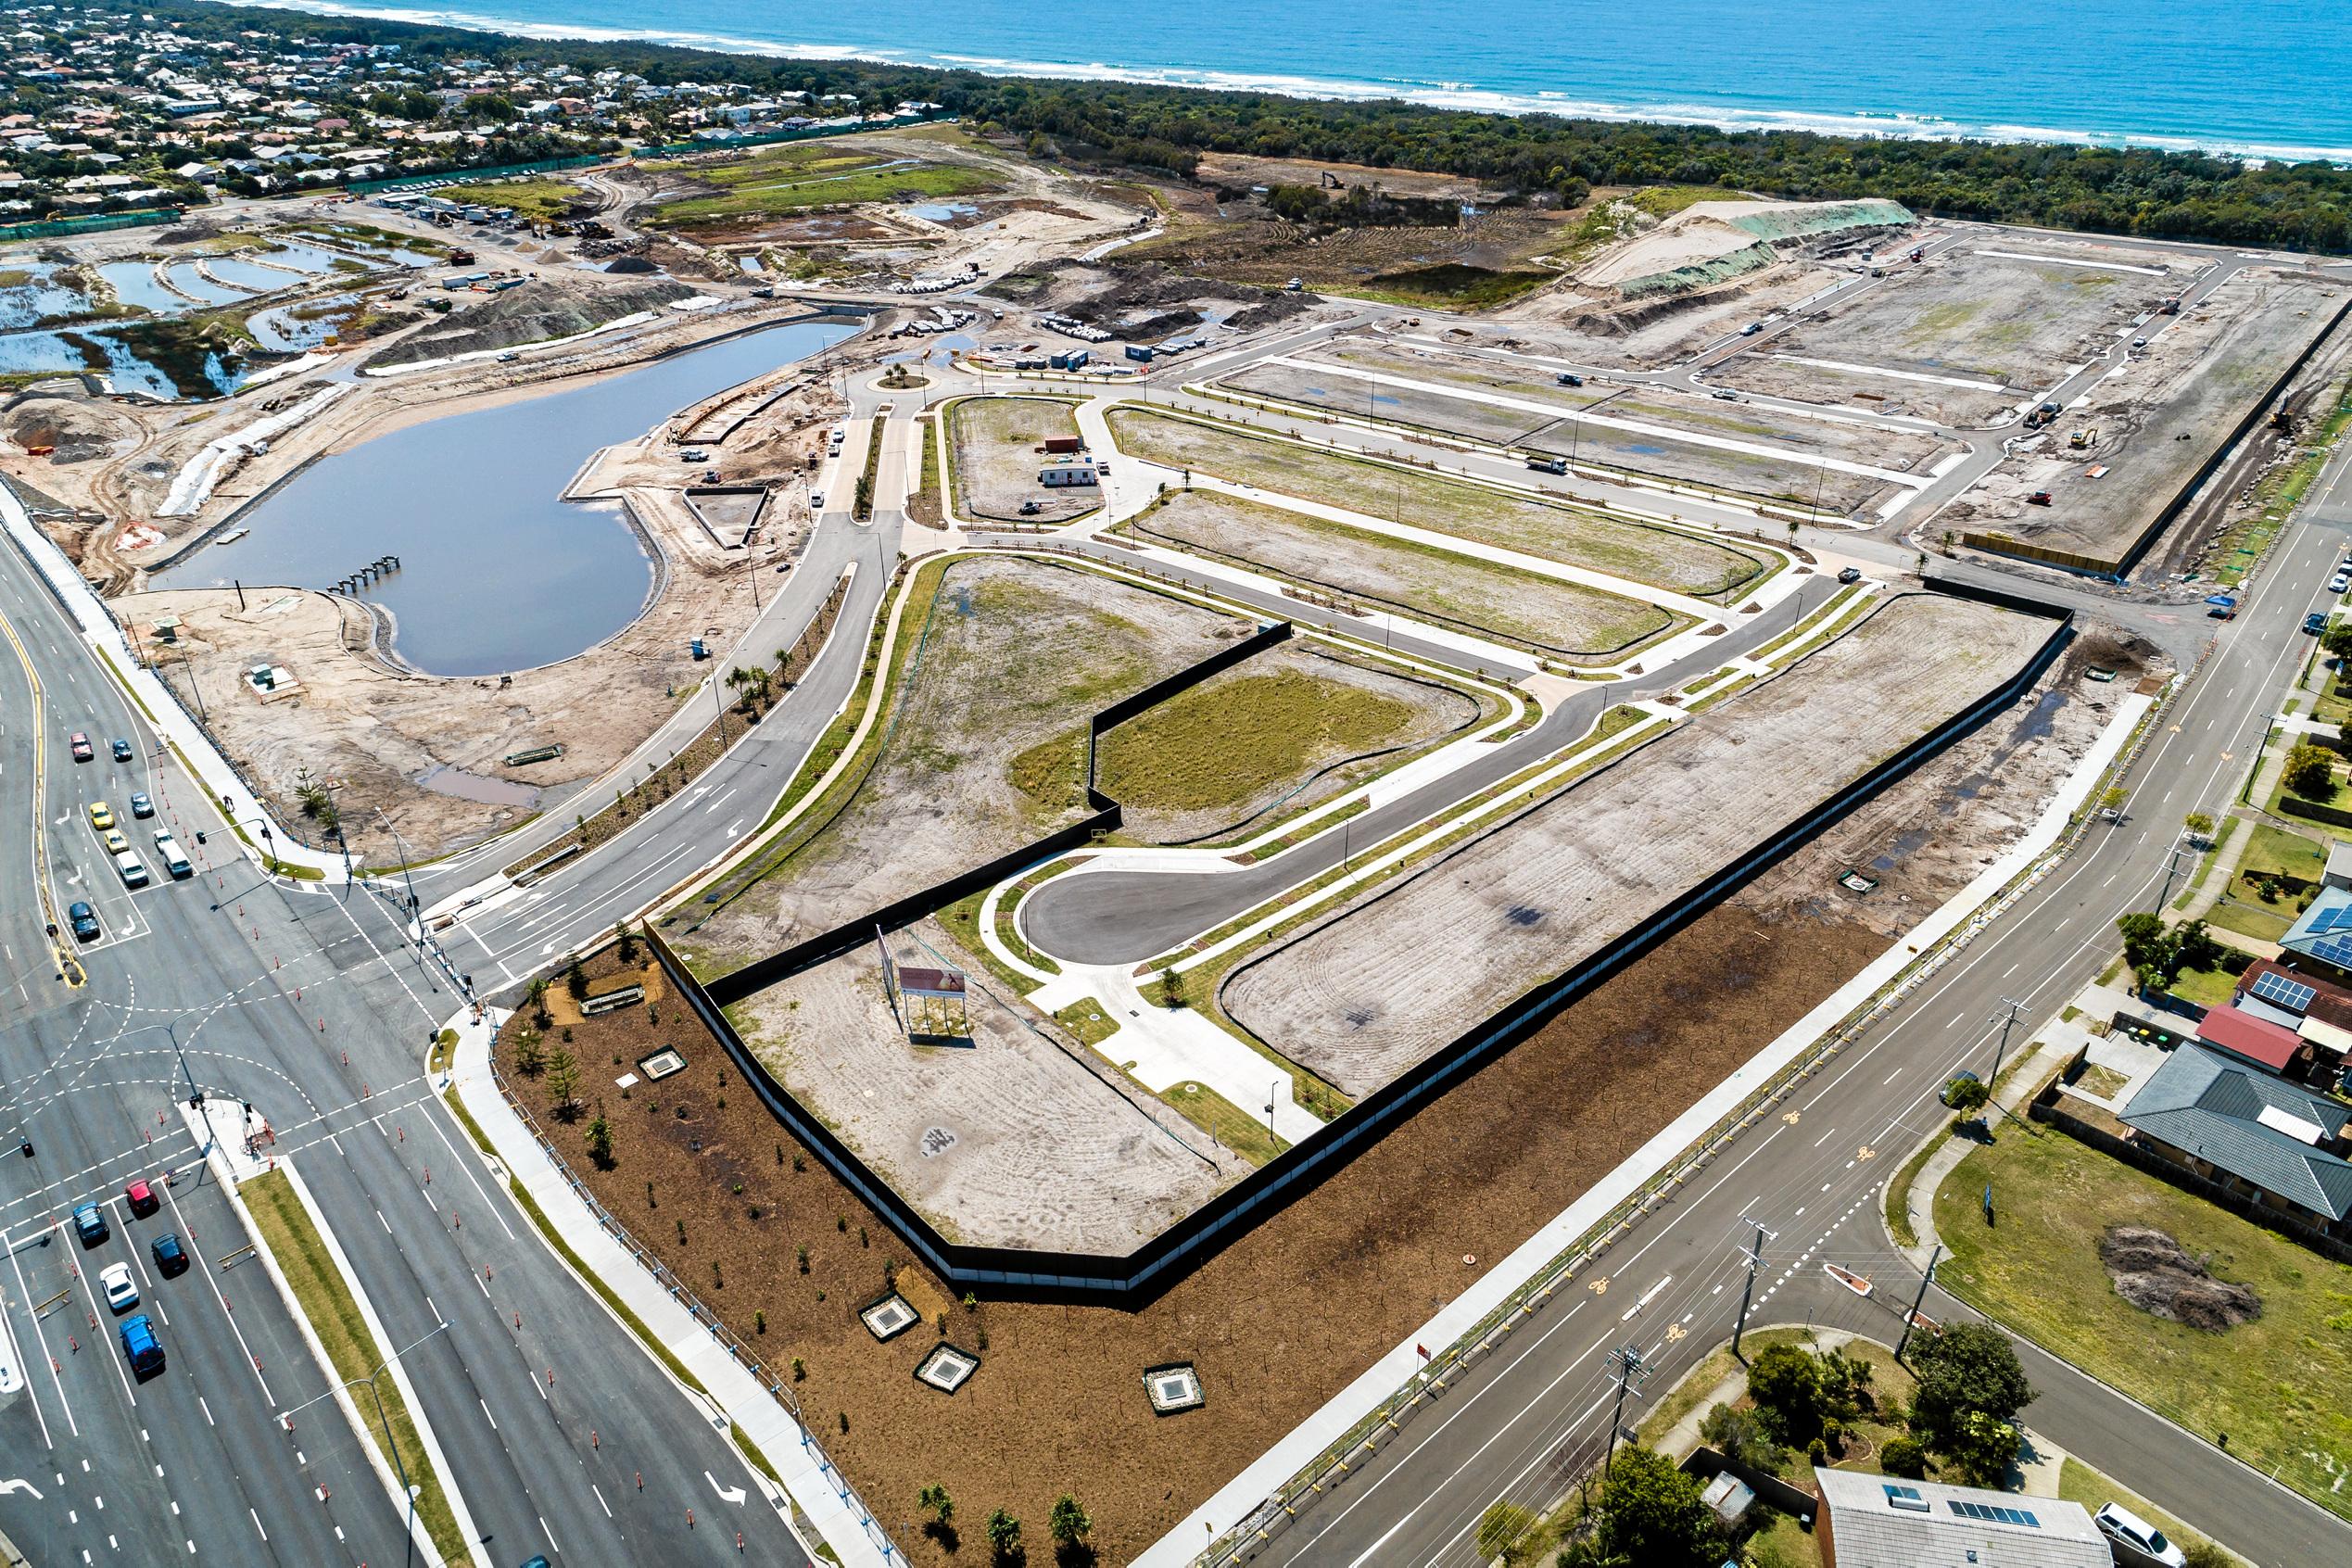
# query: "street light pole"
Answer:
x=385 y=1423
x=402 y=845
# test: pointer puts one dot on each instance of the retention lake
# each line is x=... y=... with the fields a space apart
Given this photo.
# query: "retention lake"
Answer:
x=496 y=573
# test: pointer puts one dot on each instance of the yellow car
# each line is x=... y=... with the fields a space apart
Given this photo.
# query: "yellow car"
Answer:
x=116 y=844
x=101 y=815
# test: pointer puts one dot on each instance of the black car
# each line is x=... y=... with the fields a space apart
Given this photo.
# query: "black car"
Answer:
x=171 y=1258
x=140 y=805
x=84 y=920
x=121 y=749
x=1850 y=574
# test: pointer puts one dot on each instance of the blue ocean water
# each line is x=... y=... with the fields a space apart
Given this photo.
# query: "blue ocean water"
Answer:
x=2259 y=77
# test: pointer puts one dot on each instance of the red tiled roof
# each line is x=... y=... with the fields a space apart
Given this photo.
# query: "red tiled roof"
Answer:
x=2256 y=1040
x=2327 y=991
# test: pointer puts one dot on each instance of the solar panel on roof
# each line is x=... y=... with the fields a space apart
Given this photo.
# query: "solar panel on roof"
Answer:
x=2325 y=921
x=1994 y=1513
x=2336 y=950
x=2291 y=994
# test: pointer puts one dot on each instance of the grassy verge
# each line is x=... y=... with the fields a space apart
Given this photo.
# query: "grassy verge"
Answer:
x=923 y=506
x=2277 y=495
x=863 y=499
x=1224 y=1122
x=2272 y=1384
x=334 y=1313
x=2078 y=1482
x=1087 y=1019
x=539 y=201
x=1898 y=1193
x=2248 y=920
x=1225 y=743
x=2229 y=828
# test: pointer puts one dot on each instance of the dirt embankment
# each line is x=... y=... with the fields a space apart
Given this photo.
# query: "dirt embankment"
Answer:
x=538 y=311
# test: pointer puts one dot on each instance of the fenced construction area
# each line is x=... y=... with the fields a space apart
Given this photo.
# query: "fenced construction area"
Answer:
x=997 y=657
x=1444 y=586
x=995 y=458
x=1638 y=552
x=1364 y=996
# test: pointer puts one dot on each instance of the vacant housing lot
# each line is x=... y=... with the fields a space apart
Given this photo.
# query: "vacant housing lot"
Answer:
x=1659 y=557
x=1483 y=598
x=1532 y=898
x=1004 y=654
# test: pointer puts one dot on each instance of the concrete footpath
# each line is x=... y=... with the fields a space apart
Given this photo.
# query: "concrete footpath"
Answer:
x=818 y=1491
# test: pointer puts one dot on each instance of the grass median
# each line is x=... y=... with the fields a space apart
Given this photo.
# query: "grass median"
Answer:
x=333 y=1312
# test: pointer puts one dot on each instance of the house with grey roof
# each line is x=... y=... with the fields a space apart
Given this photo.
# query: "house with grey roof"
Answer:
x=1883 y=1521
x=2261 y=1136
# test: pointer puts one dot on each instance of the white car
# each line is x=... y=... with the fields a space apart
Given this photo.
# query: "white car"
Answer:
x=121 y=1294
x=816 y=500
x=2340 y=582
x=2121 y=1525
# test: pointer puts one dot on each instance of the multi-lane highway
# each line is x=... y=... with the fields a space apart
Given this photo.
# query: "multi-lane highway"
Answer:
x=1522 y=1423
x=562 y=1434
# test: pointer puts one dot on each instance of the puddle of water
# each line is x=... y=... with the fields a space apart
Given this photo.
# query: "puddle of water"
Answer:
x=497 y=574
x=134 y=284
x=40 y=295
x=183 y=278
x=124 y=370
x=286 y=332
x=943 y=212
x=443 y=779
x=247 y=275
x=1644 y=448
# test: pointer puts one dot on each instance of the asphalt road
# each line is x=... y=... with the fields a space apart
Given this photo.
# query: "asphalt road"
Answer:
x=309 y=1005
x=1519 y=1424
x=1125 y=917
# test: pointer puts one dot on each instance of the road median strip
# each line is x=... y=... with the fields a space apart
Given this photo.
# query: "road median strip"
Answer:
x=299 y=1259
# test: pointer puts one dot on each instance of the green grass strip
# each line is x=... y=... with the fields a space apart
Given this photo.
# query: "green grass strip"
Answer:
x=333 y=1312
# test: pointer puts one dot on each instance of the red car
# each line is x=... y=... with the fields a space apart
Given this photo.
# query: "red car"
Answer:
x=81 y=744
x=142 y=1199
x=2039 y=497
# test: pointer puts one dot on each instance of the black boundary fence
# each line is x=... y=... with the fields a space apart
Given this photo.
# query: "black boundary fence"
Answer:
x=761 y=973
x=2116 y=571
x=1138 y=1276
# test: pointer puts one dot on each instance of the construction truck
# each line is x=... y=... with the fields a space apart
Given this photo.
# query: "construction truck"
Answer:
x=2077 y=439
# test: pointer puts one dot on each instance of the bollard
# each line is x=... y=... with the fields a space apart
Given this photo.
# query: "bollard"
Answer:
x=75 y=1343
x=640 y=1479
x=593 y=1443
x=518 y=1319
x=689 y=1519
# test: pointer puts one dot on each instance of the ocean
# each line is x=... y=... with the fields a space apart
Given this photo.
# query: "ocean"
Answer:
x=2260 y=78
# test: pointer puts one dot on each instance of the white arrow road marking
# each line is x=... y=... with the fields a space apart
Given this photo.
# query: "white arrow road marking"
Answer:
x=13 y=1485
x=727 y=1494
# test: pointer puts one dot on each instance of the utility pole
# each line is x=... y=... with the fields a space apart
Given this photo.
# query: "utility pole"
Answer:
x=1754 y=1256
x=2171 y=865
x=2010 y=1016
x=1628 y=1368
x=1925 y=1280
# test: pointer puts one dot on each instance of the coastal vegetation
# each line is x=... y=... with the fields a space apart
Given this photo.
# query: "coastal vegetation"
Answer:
x=2151 y=192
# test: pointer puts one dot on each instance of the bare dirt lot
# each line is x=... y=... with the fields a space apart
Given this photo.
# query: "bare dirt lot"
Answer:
x=1524 y=901
x=1973 y=315
x=1291 y=727
x=1661 y=557
x=421 y=748
x=2151 y=425
x=1012 y=652
x=1015 y=1138
x=997 y=455
x=1773 y=374
x=1600 y=329
x=1739 y=448
x=1941 y=825
x=1479 y=597
x=1277 y=1323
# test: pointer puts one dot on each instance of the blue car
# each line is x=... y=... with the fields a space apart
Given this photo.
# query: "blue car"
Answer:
x=140 y=1348
x=90 y=1224
x=2315 y=622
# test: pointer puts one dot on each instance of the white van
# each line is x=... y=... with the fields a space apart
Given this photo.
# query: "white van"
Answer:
x=175 y=860
x=134 y=874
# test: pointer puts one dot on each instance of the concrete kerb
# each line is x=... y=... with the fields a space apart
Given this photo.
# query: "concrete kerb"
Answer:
x=229 y=1166
x=100 y=630
x=1315 y=1455
x=729 y=1391
x=1600 y=474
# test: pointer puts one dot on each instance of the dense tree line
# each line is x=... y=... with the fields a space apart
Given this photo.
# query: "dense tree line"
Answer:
x=2137 y=191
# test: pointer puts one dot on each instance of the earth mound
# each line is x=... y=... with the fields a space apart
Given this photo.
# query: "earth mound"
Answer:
x=2156 y=1273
